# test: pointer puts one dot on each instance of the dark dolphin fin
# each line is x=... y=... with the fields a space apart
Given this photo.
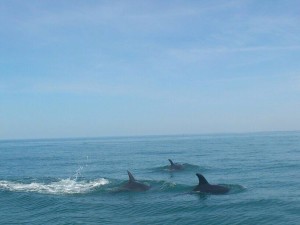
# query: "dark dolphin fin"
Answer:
x=131 y=178
x=171 y=161
x=202 y=179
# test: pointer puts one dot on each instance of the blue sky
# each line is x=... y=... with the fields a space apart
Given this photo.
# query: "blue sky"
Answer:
x=106 y=68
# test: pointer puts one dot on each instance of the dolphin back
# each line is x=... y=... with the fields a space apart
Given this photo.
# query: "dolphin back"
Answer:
x=133 y=185
x=205 y=187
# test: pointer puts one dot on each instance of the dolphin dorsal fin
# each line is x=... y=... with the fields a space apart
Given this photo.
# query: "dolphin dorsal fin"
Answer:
x=202 y=179
x=171 y=161
x=131 y=178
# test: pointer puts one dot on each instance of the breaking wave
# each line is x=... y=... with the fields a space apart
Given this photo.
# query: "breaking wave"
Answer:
x=63 y=186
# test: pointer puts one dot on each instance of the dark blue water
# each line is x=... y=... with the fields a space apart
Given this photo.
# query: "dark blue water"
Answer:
x=75 y=181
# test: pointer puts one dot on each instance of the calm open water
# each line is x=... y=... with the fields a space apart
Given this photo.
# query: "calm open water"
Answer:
x=74 y=181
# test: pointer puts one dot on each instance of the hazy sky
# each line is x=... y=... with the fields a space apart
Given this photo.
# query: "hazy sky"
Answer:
x=103 y=68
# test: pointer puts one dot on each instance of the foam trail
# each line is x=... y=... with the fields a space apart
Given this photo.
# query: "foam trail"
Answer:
x=64 y=186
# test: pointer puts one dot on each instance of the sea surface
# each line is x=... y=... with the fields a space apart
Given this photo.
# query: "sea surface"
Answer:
x=76 y=181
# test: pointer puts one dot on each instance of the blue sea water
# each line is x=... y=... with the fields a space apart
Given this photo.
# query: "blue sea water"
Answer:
x=75 y=181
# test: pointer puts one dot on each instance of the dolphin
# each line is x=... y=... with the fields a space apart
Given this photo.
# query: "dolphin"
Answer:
x=175 y=166
x=133 y=185
x=205 y=187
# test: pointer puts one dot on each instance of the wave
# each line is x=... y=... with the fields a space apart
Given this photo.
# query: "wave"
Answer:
x=63 y=186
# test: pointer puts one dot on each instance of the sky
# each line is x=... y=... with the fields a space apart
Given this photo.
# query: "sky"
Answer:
x=122 y=68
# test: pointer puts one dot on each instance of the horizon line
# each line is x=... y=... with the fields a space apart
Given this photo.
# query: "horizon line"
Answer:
x=147 y=135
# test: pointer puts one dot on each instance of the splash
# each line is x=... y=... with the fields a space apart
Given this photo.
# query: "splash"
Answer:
x=64 y=186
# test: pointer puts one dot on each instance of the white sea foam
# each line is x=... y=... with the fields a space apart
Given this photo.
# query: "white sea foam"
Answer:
x=64 y=186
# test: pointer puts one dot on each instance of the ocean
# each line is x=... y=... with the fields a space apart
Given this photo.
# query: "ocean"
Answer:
x=76 y=181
